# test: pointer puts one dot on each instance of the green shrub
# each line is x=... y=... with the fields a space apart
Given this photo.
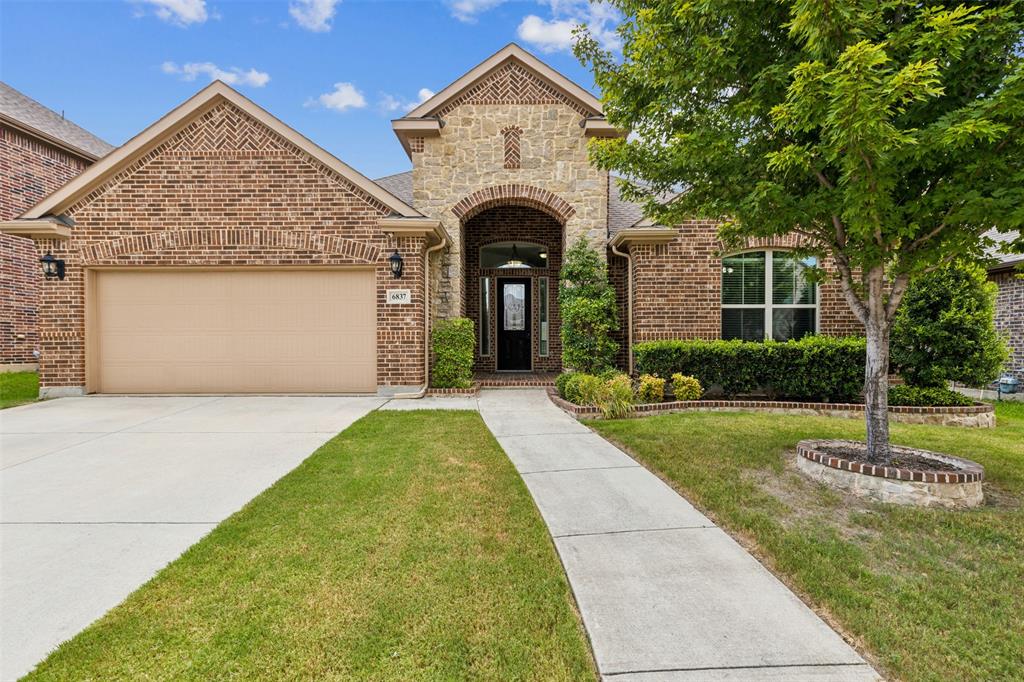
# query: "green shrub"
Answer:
x=616 y=397
x=945 y=329
x=453 y=342
x=587 y=303
x=812 y=368
x=686 y=388
x=589 y=390
x=651 y=389
x=562 y=382
x=927 y=396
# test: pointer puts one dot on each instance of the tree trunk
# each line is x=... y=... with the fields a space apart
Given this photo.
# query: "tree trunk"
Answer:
x=876 y=389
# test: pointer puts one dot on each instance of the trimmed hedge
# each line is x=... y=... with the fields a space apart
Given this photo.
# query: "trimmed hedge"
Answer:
x=815 y=368
x=917 y=396
x=453 y=342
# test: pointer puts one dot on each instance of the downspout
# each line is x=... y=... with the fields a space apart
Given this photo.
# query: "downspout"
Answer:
x=426 y=323
x=629 y=304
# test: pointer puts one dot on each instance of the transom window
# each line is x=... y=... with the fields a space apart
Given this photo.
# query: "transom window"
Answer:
x=765 y=295
x=508 y=255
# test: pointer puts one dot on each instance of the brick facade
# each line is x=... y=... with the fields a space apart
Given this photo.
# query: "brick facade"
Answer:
x=29 y=170
x=227 y=191
x=520 y=224
x=1010 y=316
x=678 y=288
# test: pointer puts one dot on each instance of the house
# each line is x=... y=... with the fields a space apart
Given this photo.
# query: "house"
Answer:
x=1005 y=272
x=220 y=251
x=40 y=150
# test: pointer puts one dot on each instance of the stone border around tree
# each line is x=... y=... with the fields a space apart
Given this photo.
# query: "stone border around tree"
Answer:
x=978 y=415
x=958 y=489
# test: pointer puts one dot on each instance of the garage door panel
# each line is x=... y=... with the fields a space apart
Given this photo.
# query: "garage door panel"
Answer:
x=235 y=331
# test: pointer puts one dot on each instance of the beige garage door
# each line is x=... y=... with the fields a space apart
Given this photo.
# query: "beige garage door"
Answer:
x=233 y=331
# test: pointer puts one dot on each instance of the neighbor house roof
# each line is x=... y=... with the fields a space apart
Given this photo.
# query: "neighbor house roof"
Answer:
x=22 y=112
x=210 y=96
x=1005 y=258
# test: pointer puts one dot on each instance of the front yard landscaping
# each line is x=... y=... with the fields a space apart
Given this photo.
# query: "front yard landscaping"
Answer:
x=18 y=388
x=405 y=548
x=930 y=594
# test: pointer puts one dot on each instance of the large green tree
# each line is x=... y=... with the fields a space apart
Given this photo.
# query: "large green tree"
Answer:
x=887 y=133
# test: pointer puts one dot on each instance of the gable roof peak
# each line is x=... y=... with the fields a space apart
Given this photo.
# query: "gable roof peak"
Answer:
x=511 y=52
x=178 y=118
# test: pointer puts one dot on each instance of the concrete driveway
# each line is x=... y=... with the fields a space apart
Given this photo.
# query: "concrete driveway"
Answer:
x=97 y=494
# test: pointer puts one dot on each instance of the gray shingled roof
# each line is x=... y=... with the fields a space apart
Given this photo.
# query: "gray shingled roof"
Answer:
x=1004 y=257
x=399 y=184
x=621 y=213
x=30 y=113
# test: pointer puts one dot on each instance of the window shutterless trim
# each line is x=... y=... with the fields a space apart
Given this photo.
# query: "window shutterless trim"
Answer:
x=543 y=313
x=485 y=317
x=768 y=306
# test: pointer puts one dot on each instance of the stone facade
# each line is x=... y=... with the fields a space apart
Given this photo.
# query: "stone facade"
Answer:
x=225 y=190
x=1010 y=317
x=29 y=170
x=470 y=156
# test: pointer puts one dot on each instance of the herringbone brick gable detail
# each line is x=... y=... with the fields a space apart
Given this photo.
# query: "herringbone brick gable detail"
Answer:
x=513 y=153
x=223 y=130
x=512 y=83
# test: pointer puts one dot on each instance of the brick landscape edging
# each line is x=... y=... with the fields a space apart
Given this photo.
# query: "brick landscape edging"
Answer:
x=968 y=471
x=470 y=392
x=958 y=489
x=979 y=415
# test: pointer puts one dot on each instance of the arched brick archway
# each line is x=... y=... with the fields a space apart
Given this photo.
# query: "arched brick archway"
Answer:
x=514 y=195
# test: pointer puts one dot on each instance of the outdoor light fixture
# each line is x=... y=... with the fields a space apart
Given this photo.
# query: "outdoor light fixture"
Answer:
x=52 y=267
x=396 y=262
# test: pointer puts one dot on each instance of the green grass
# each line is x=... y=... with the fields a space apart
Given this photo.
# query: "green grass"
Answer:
x=929 y=594
x=405 y=548
x=17 y=388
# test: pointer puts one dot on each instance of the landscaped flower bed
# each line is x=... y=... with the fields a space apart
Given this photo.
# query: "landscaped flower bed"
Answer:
x=977 y=415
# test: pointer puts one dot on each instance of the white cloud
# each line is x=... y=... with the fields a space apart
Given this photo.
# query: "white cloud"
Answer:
x=390 y=103
x=180 y=12
x=555 y=34
x=231 y=75
x=547 y=36
x=313 y=15
x=345 y=96
x=467 y=10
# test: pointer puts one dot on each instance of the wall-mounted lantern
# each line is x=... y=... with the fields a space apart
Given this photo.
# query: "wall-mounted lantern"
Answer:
x=53 y=268
x=395 y=260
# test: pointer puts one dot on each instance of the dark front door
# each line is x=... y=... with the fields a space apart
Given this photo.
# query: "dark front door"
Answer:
x=514 y=313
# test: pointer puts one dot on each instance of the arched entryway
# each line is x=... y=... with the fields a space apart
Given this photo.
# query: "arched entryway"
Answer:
x=511 y=259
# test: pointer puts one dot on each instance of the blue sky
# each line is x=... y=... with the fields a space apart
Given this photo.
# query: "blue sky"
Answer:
x=336 y=71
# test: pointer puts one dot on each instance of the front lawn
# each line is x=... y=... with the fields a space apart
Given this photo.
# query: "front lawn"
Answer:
x=405 y=548
x=17 y=388
x=930 y=594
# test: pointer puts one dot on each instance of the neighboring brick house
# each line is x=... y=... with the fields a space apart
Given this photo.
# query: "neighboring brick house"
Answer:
x=220 y=251
x=40 y=150
x=1008 y=274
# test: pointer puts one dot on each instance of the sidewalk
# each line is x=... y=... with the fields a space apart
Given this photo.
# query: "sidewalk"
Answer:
x=664 y=593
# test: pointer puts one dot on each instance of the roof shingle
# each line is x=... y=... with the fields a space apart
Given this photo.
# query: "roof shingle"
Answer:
x=33 y=115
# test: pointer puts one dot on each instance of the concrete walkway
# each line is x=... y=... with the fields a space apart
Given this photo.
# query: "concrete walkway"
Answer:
x=97 y=494
x=665 y=594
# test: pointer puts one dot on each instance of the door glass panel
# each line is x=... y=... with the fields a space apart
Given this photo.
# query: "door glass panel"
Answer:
x=485 y=316
x=515 y=307
x=542 y=293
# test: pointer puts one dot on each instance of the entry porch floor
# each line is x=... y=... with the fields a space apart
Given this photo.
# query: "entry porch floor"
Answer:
x=515 y=379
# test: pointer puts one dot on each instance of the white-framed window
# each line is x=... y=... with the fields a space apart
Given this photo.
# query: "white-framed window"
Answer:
x=765 y=295
x=485 y=316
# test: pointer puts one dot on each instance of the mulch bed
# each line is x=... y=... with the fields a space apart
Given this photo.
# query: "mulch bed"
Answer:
x=901 y=459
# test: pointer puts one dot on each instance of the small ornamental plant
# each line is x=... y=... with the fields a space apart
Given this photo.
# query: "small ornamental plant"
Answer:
x=453 y=342
x=686 y=388
x=651 y=389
